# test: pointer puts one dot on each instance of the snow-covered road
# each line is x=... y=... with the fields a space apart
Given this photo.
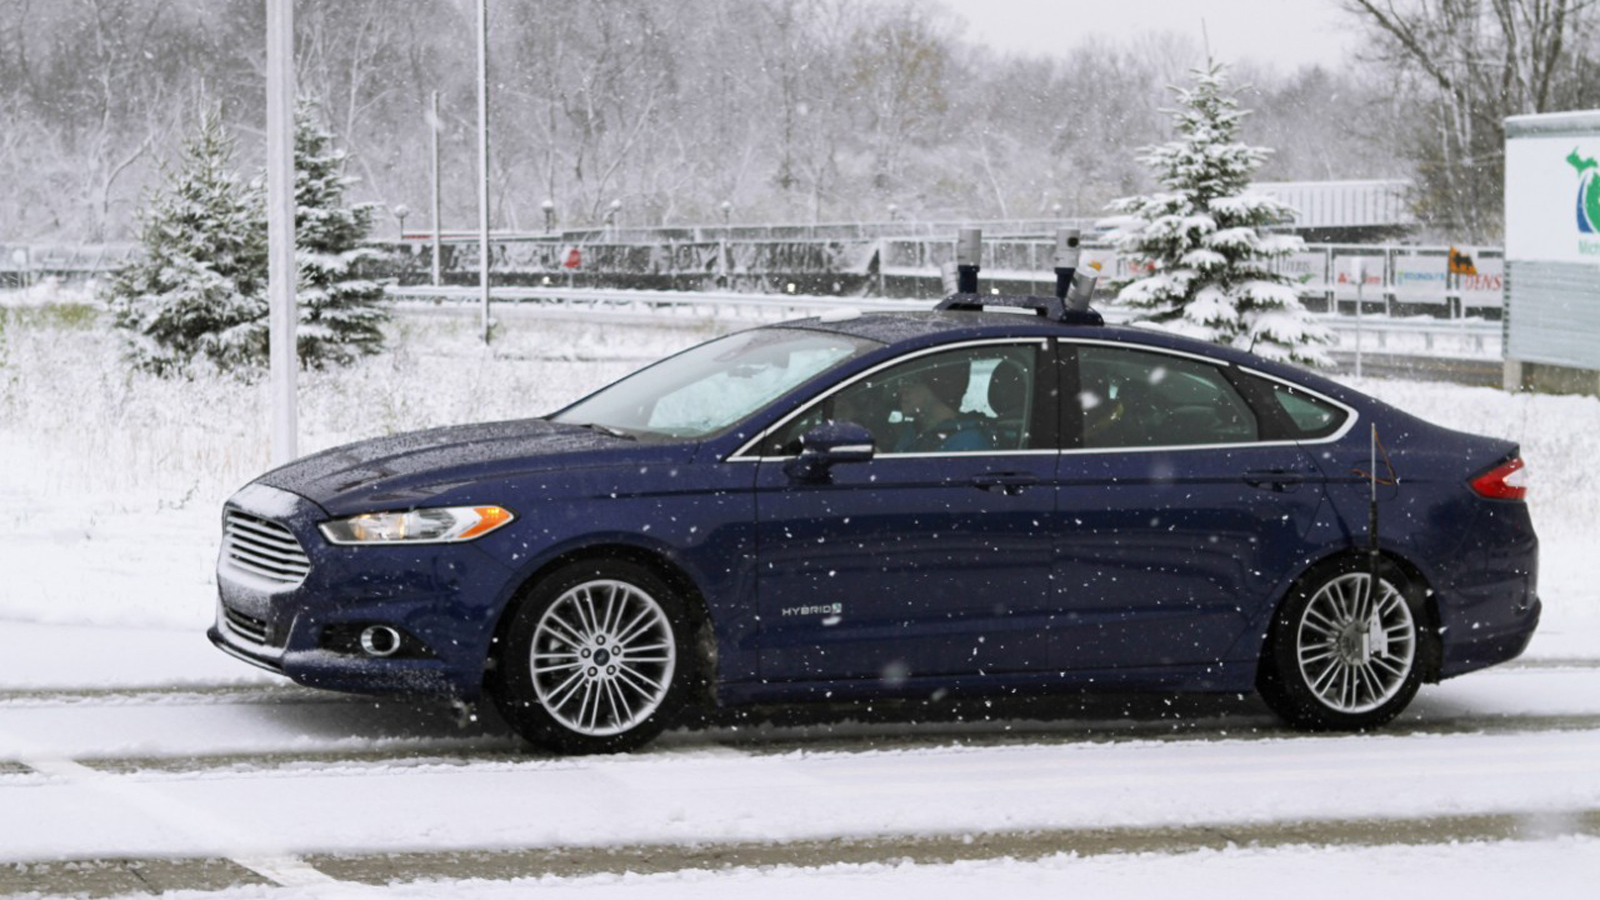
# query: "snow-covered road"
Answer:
x=277 y=779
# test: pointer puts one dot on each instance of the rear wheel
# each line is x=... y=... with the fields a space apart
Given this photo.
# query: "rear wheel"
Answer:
x=596 y=659
x=1341 y=656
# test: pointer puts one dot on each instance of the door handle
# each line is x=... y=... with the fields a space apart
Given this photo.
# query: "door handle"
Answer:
x=1008 y=483
x=1276 y=479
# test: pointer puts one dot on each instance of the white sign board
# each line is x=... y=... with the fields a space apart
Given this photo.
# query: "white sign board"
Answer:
x=1553 y=199
x=1487 y=286
x=1421 y=276
x=1307 y=270
x=1106 y=264
x=1351 y=271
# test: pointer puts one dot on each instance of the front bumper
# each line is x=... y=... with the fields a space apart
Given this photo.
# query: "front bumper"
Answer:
x=350 y=673
x=444 y=597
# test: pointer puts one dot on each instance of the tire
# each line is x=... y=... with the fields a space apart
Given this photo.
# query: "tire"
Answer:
x=559 y=679
x=1324 y=670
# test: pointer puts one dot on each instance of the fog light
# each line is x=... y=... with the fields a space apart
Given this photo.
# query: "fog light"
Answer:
x=380 y=640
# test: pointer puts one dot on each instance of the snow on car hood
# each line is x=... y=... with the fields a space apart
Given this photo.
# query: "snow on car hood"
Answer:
x=401 y=469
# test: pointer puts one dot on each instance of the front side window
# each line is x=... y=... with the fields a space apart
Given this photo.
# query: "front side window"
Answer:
x=1131 y=398
x=971 y=400
x=711 y=387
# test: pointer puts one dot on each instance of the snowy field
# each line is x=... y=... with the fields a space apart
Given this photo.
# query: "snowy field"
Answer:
x=125 y=736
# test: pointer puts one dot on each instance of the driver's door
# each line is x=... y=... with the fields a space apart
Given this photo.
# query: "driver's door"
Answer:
x=927 y=561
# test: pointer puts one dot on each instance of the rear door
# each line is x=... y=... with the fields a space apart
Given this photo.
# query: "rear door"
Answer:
x=1181 y=509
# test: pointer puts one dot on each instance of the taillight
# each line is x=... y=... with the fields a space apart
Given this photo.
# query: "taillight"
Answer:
x=1507 y=481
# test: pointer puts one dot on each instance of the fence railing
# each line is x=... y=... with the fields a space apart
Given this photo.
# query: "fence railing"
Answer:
x=1441 y=281
x=1419 y=337
x=24 y=264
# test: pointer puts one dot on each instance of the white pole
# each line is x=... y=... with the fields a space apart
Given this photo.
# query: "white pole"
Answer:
x=433 y=129
x=483 y=160
x=1361 y=277
x=281 y=270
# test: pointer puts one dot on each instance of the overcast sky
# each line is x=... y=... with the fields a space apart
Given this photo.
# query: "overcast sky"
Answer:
x=1284 y=33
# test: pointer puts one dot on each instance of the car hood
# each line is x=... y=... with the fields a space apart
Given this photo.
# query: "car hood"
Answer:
x=406 y=469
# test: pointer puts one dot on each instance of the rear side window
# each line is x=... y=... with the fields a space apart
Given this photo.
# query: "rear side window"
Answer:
x=1131 y=398
x=1305 y=416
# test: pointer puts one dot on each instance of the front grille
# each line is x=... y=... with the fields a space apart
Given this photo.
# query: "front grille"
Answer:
x=247 y=627
x=263 y=548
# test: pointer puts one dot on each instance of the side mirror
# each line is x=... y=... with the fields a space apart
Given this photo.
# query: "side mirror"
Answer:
x=829 y=444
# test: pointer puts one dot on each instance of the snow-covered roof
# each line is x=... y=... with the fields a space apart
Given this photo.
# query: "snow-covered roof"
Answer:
x=1578 y=121
x=1343 y=204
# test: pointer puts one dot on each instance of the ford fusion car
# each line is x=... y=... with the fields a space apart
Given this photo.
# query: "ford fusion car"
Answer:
x=895 y=504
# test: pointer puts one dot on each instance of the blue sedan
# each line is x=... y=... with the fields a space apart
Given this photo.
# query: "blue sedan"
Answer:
x=895 y=504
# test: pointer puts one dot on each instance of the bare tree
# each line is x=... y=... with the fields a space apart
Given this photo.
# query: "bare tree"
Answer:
x=1470 y=64
x=789 y=110
x=896 y=72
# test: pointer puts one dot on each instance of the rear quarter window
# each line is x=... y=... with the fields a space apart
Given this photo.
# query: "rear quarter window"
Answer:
x=1304 y=416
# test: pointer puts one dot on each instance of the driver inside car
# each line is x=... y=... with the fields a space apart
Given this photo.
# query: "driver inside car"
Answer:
x=933 y=423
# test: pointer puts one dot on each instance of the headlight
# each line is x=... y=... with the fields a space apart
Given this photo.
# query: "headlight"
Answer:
x=444 y=524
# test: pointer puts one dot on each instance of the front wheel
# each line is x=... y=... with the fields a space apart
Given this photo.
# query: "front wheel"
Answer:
x=596 y=659
x=1341 y=656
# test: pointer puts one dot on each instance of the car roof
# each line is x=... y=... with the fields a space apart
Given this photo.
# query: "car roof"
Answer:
x=916 y=325
x=924 y=327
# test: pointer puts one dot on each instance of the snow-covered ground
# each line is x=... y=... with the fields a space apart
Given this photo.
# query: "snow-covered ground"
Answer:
x=124 y=735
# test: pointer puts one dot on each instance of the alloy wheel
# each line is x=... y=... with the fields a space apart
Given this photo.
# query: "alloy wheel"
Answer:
x=1355 y=650
x=602 y=657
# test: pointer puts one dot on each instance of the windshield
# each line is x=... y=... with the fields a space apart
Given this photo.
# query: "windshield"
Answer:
x=710 y=387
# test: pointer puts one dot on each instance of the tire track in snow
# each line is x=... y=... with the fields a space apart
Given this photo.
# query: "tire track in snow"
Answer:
x=282 y=869
x=861 y=740
x=240 y=729
x=100 y=878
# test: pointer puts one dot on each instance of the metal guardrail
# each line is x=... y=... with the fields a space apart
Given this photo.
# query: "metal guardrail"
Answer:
x=1420 y=336
x=22 y=265
x=1439 y=280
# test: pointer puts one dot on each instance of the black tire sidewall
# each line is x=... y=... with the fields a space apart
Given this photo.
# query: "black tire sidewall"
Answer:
x=1283 y=686
x=511 y=685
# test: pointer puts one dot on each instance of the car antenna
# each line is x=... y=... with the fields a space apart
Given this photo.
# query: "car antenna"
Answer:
x=1372 y=521
x=1374 y=558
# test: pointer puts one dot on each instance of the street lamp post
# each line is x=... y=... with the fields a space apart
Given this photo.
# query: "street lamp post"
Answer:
x=400 y=213
x=727 y=212
x=283 y=361
x=549 y=207
x=433 y=134
x=483 y=161
x=611 y=214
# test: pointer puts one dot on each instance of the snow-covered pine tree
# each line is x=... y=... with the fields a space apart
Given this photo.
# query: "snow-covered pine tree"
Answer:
x=1211 y=273
x=341 y=313
x=196 y=291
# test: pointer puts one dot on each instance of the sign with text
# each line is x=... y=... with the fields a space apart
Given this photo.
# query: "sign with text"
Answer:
x=1347 y=270
x=1306 y=270
x=1421 y=275
x=1485 y=286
